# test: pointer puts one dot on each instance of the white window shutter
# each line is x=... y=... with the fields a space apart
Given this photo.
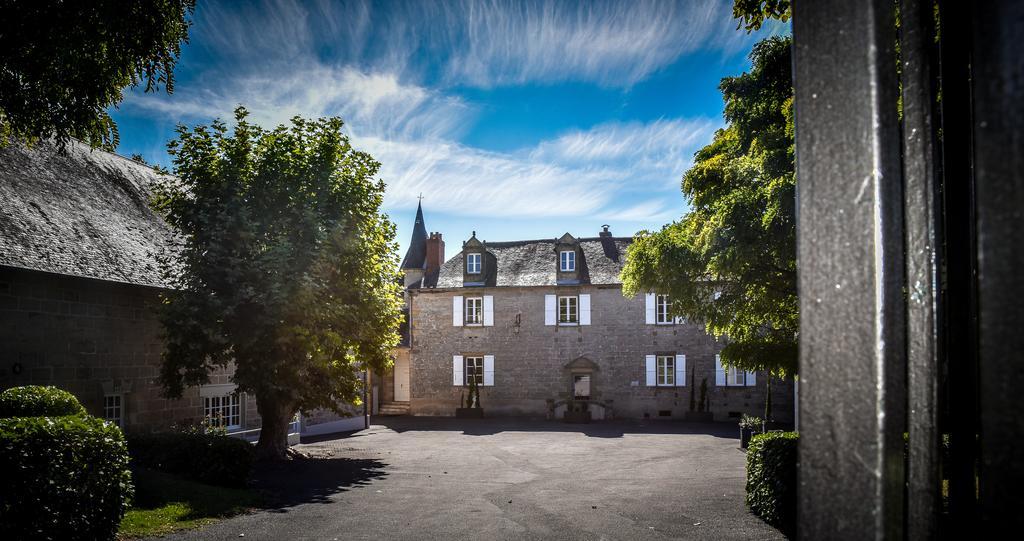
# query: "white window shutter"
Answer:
x=549 y=309
x=585 y=309
x=457 y=310
x=719 y=372
x=488 y=370
x=488 y=310
x=652 y=379
x=681 y=370
x=457 y=370
x=750 y=379
x=650 y=308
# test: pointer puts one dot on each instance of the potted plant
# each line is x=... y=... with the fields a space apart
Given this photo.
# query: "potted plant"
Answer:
x=471 y=408
x=702 y=414
x=749 y=425
x=577 y=411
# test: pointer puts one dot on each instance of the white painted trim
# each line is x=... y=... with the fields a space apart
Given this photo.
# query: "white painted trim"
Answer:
x=457 y=311
x=457 y=368
x=488 y=310
x=584 y=309
x=550 y=310
x=219 y=389
x=347 y=424
x=680 y=371
x=488 y=370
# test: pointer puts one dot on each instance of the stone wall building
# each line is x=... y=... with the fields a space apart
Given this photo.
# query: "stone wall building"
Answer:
x=540 y=322
x=78 y=283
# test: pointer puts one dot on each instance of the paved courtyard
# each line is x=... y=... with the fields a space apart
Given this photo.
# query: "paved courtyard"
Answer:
x=416 y=478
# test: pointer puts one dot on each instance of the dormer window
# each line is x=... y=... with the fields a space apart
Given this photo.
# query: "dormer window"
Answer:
x=567 y=261
x=472 y=263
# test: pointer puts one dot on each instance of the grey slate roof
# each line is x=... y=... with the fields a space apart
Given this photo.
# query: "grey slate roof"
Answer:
x=533 y=263
x=416 y=255
x=82 y=213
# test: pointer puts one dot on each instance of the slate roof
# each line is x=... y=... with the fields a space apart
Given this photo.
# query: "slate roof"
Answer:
x=533 y=263
x=81 y=213
x=416 y=255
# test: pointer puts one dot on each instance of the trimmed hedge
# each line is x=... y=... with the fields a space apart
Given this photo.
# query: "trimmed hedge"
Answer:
x=771 y=479
x=209 y=458
x=38 y=401
x=64 y=477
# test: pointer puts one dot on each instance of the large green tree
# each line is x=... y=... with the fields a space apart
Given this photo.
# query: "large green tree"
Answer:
x=63 y=63
x=287 y=268
x=730 y=263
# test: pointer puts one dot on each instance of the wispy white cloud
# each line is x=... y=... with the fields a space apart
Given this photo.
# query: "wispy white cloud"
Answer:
x=353 y=60
x=612 y=43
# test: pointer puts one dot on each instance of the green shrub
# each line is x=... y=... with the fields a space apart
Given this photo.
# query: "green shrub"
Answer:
x=771 y=479
x=63 y=477
x=38 y=401
x=215 y=459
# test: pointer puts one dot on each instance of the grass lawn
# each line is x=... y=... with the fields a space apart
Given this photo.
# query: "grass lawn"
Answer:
x=164 y=503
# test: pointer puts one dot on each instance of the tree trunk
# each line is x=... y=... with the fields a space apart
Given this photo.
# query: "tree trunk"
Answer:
x=768 y=399
x=276 y=416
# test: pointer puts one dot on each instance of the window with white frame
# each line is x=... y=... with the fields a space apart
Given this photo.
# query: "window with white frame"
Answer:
x=736 y=377
x=568 y=310
x=661 y=307
x=473 y=263
x=474 y=370
x=113 y=409
x=223 y=410
x=666 y=370
x=568 y=261
x=474 y=310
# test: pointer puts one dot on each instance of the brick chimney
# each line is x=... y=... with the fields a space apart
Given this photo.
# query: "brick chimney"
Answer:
x=435 y=253
x=604 y=231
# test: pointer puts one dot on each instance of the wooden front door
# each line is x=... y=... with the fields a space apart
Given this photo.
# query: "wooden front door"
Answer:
x=402 y=379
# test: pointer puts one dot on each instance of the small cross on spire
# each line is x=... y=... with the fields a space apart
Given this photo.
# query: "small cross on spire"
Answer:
x=420 y=197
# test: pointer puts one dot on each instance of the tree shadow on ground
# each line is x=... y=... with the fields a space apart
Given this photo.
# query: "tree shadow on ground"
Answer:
x=313 y=480
x=596 y=429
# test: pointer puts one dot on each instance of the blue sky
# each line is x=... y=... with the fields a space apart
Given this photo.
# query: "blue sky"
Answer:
x=515 y=120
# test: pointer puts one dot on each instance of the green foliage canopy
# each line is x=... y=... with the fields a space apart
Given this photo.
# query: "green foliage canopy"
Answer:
x=62 y=64
x=731 y=262
x=753 y=13
x=287 y=267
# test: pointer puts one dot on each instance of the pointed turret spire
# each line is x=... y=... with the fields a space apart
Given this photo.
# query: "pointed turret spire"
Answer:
x=415 y=256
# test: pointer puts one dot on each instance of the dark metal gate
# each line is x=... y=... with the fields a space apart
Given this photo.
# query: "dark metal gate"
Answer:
x=911 y=268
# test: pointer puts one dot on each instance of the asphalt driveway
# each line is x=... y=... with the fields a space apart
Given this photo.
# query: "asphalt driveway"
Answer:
x=417 y=478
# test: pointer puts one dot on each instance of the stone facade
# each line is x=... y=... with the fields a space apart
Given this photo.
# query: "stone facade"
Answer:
x=534 y=362
x=93 y=338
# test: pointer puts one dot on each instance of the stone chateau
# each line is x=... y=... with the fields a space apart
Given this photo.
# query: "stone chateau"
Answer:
x=538 y=323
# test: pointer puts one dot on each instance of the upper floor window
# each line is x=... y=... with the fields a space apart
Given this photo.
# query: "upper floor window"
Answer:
x=661 y=309
x=567 y=261
x=666 y=370
x=473 y=263
x=474 y=310
x=568 y=310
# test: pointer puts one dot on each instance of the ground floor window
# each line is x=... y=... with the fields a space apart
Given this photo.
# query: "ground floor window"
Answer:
x=666 y=370
x=113 y=409
x=475 y=370
x=737 y=377
x=223 y=411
